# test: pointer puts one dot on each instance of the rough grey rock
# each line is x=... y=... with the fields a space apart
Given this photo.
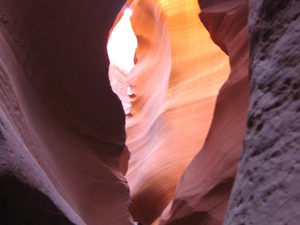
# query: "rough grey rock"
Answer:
x=267 y=186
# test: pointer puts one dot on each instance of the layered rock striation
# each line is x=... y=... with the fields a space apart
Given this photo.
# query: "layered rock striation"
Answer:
x=68 y=157
x=203 y=191
x=175 y=81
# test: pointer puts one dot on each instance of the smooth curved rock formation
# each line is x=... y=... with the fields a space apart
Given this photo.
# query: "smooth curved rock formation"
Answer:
x=177 y=76
x=62 y=127
x=64 y=144
x=267 y=187
x=202 y=193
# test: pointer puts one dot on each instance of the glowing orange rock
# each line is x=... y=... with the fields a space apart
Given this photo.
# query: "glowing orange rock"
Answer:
x=202 y=194
x=179 y=71
x=62 y=128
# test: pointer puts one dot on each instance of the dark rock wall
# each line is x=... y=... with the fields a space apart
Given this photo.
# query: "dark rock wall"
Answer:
x=62 y=126
x=22 y=204
x=267 y=187
x=62 y=46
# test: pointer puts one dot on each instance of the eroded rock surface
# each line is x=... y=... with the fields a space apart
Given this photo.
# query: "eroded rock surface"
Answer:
x=62 y=127
x=177 y=76
x=267 y=187
x=203 y=191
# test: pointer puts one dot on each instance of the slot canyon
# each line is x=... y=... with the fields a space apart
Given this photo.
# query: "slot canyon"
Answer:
x=191 y=116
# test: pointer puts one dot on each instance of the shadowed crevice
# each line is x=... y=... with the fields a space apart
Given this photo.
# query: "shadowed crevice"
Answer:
x=22 y=204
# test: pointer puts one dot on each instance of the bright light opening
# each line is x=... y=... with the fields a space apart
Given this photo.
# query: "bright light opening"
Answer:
x=121 y=51
x=122 y=44
x=128 y=12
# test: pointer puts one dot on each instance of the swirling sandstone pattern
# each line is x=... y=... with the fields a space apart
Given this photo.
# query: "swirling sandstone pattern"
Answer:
x=62 y=128
x=202 y=193
x=176 y=79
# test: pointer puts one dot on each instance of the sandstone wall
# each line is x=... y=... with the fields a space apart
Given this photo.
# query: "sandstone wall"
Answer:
x=177 y=77
x=62 y=127
x=203 y=191
x=63 y=131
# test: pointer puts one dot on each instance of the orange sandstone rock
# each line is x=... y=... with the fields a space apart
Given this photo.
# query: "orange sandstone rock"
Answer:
x=179 y=71
x=203 y=191
x=62 y=128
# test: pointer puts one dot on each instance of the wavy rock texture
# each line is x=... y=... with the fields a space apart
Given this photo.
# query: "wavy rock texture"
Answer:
x=62 y=136
x=267 y=188
x=202 y=194
x=177 y=76
x=178 y=73
x=62 y=128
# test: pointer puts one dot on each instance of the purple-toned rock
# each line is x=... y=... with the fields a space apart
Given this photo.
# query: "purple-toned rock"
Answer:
x=267 y=186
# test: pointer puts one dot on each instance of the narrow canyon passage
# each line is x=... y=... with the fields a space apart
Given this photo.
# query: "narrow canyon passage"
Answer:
x=176 y=79
x=190 y=117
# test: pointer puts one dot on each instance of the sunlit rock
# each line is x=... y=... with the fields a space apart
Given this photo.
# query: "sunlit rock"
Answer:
x=178 y=73
x=71 y=72
x=121 y=48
